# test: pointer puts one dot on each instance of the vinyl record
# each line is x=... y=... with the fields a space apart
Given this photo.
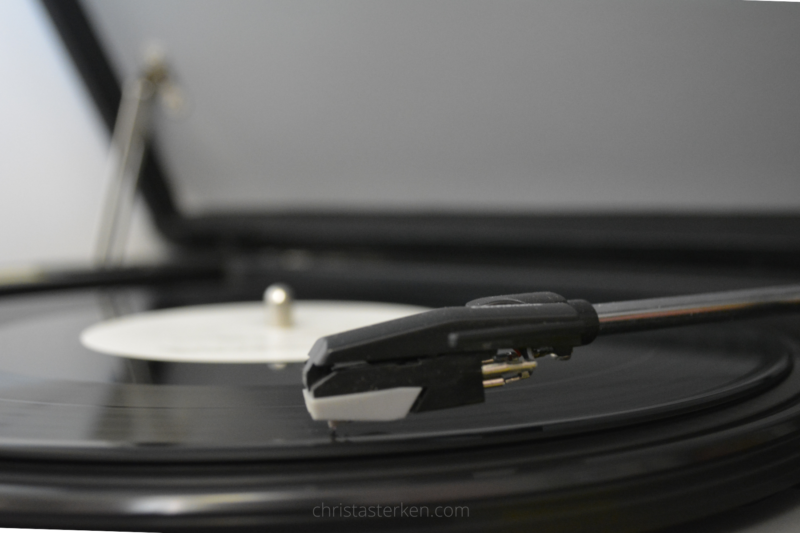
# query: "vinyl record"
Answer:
x=182 y=411
x=648 y=426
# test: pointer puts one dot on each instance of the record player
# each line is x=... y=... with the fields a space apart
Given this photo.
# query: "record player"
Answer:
x=380 y=159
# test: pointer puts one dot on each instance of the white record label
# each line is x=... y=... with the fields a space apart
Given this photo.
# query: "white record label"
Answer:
x=233 y=333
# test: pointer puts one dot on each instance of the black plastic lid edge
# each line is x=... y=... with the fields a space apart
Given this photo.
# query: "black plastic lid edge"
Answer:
x=103 y=85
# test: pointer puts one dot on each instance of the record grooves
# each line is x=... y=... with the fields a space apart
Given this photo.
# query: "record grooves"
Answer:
x=190 y=411
x=648 y=421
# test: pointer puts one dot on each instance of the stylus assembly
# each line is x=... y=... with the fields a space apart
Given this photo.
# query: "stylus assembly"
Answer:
x=446 y=357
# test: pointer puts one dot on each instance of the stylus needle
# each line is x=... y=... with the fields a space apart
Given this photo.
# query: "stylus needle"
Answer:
x=446 y=357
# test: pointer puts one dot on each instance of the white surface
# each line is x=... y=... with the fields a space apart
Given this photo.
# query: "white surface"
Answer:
x=376 y=406
x=232 y=333
x=54 y=150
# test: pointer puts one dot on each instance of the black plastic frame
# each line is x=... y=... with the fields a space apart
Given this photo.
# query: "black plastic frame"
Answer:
x=104 y=87
x=709 y=238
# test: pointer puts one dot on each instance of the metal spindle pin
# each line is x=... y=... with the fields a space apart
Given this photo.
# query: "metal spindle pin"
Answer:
x=278 y=305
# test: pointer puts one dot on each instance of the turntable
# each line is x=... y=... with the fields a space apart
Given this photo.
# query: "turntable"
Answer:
x=369 y=161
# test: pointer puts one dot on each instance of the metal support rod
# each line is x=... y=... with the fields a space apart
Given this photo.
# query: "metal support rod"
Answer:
x=637 y=315
x=129 y=140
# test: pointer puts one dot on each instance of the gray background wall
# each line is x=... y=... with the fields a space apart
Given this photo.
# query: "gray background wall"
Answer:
x=598 y=105
x=474 y=104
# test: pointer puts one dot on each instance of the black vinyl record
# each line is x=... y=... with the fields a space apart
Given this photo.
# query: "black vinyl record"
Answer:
x=110 y=406
x=634 y=432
